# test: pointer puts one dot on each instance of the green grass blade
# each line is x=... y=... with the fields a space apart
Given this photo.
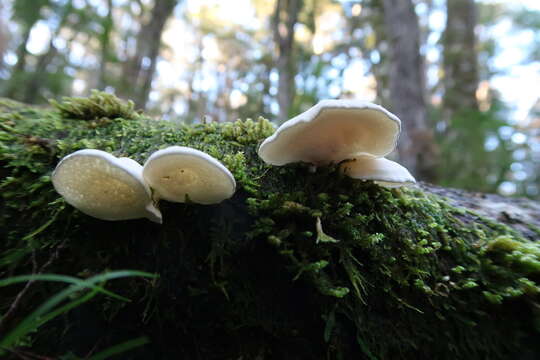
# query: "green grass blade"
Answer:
x=57 y=278
x=120 y=348
x=44 y=312
x=65 y=308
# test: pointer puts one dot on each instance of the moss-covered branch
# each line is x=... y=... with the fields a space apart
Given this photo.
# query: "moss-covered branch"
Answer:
x=296 y=265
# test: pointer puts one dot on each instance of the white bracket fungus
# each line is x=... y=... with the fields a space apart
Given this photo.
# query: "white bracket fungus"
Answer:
x=336 y=130
x=384 y=172
x=104 y=186
x=332 y=131
x=178 y=172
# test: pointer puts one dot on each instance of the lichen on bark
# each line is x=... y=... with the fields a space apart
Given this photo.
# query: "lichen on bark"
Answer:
x=296 y=265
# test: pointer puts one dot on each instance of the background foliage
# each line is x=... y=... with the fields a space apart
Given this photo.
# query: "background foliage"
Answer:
x=184 y=60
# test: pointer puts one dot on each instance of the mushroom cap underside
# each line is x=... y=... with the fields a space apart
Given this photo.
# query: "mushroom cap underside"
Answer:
x=103 y=186
x=333 y=131
x=177 y=172
x=384 y=172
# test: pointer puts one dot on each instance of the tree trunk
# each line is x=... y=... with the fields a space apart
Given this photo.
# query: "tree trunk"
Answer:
x=14 y=89
x=296 y=264
x=107 y=24
x=372 y=19
x=140 y=69
x=417 y=150
x=460 y=79
x=284 y=19
x=195 y=98
x=27 y=13
x=161 y=12
x=518 y=213
x=4 y=38
x=35 y=80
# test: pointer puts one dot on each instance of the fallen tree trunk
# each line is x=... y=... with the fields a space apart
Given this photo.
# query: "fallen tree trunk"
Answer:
x=415 y=273
x=521 y=214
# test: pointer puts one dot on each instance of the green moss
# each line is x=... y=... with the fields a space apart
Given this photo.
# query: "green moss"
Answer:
x=98 y=106
x=520 y=255
x=295 y=265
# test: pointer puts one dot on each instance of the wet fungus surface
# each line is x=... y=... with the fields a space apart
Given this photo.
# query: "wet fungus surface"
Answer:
x=178 y=172
x=356 y=134
x=104 y=186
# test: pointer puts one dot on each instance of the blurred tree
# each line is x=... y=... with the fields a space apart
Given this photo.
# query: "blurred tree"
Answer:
x=37 y=78
x=367 y=29
x=26 y=13
x=107 y=25
x=195 y=98
x=3 y=37
x=529 y=20
x=66 y=25
x=284 y=20
x=417 y=149
x=139 y=69
x=321 y=54
x=472 y=116
x=236 y=57
x=284 y=58
x=460 y=78
x=532 y=129
x=476 y=154
x=376 y=49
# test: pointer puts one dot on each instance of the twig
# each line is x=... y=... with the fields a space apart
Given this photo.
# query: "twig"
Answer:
x=25 y=355
x=15 y=304
x=20 y=295
x=93 y=350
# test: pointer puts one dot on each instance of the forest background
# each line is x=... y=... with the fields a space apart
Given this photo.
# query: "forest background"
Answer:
x=463 y=75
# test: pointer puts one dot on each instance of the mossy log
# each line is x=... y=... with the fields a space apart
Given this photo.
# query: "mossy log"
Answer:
x=412 y=273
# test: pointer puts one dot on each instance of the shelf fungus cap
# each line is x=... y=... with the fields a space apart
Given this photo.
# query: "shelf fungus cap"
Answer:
x=104 y=186
x=384 y=172
x=333 y=131
x=178 y=172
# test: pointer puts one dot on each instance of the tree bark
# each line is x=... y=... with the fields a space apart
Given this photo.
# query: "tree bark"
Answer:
x=417 y=149
x=3 y=39
x=14 y=89
x=284 y=19
x=35 y=80
x=518 y=213
x=140 y=69
x=27 y=19
x=460 y=79
x=195 y=98
x=107 y=23
x=371 y=20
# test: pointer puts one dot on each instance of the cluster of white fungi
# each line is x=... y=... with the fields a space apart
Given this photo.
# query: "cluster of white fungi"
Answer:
x=354 y=134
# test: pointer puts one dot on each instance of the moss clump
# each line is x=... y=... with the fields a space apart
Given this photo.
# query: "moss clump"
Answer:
x=296 y=265
x=98 y=106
